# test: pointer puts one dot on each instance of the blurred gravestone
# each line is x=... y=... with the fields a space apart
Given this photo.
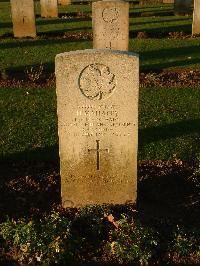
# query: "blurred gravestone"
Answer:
x=150 y=2
x=64 y=2
x=23 y=18
x=182 y=7
x=110 y=21
x=49 y=8
x=168 y=1
x=97 y=101
x=196 y=18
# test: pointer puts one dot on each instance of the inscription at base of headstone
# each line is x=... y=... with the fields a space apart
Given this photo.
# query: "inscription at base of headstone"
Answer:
x=110 y=21
x=182 y=7
x=196 y=18
x=49 y=8
x=23 y=18
x=97 y=107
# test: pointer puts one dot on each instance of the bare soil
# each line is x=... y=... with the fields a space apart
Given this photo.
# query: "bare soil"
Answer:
x=166 y=189
x=168 y=78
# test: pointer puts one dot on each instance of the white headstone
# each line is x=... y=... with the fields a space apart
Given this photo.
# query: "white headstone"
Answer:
x=49 y=8
x=196 y=18
x=97 y=103
x=64 y=2
x=23 y=18
x=110 y=20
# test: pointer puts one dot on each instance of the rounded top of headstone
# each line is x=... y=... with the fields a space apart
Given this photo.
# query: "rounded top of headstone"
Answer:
x=97 y=51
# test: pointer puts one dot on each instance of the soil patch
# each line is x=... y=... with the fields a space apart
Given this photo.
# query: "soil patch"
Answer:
x=169 y=189
x=166 y=79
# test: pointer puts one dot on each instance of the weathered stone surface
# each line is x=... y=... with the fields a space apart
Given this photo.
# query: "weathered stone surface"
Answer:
x=110 y=20
x=97 y=101
x=150 y=2
x=23 y=18
x=182 y=7
x=196 y=18
x=64 y=2
x=168 y=1
x=49 y=8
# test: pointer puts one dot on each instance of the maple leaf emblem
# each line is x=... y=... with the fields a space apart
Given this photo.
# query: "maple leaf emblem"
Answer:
x=97 y=82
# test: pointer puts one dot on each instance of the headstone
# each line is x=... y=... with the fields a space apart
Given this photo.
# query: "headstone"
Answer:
x=110 y=20
x=168 y=1
x=49 y=8
x=97 y=101
x=64 y=2
x=196 y=18
x=23 y=18
x=150 y=2
x=182 y=7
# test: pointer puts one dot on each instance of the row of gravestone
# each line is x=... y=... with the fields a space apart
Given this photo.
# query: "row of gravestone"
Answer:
x=23 y=18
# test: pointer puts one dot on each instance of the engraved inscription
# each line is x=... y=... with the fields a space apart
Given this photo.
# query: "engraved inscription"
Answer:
x=96 y=82
x=110 y=15
x=98 y=121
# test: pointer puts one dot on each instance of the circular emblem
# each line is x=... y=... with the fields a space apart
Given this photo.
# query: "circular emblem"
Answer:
x=96 y=82
x=110 y=14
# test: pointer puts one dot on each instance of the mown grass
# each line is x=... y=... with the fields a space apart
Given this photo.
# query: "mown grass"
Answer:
x=156 y=53
x=168 y=123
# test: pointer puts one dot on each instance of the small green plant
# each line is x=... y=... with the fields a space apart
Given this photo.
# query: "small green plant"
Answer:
x=131 y=242
x=34 y=73
x=185 y=246
x=43 y=241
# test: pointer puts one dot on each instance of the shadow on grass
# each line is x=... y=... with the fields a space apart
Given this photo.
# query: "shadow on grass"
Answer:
x=190 y=54
x=63 y=33
x=6 y=24
x=162 y=31
x=19 y=73
x=166 y=190
x=160 y=21
x=177 y=129
x=24 y=42
x=150 y=13
x=30 y=181
x=60 y=20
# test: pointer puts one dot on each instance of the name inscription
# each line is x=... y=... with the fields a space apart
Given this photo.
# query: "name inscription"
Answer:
x=97 y=120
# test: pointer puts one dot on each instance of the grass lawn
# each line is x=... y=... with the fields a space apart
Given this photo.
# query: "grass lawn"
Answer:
x=168 y=123
x=157 y=52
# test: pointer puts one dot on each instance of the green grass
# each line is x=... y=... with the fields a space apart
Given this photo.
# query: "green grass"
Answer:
x=169 y=119
x=156 y=53
x=168 y=124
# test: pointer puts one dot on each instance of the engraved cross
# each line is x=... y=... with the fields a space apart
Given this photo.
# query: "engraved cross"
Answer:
x=98 y=150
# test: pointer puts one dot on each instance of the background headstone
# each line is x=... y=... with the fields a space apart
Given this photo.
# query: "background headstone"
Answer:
x=182 y=7
x=110 y=21
x=64 y=2
x=150 y=2
x=168 y=1
x=97 y=101
x=49 y=8
x=196 y=18
x=23 y=18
